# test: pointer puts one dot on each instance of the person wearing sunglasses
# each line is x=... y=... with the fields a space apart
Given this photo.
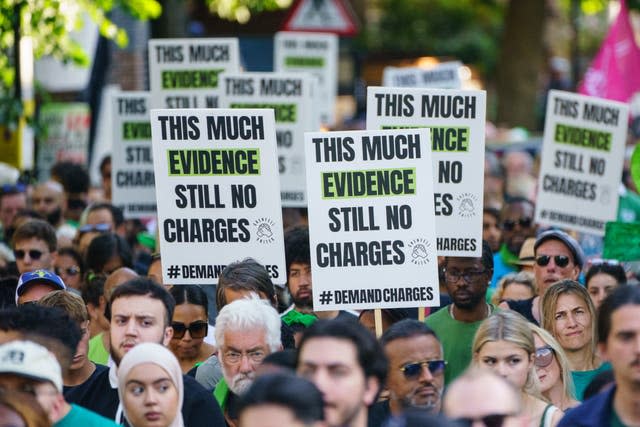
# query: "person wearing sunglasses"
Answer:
x=554 y=372
x=69 y=266
x=570 y=316
x=602 y=277
x=34 y=246
x=504 y=343
x=416 y=368
x=516 y=220
x=558 y=256
x=190 y=327
x=480 y=397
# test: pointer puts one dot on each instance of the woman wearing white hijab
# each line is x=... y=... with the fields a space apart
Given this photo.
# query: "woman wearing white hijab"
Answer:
x=150 y=387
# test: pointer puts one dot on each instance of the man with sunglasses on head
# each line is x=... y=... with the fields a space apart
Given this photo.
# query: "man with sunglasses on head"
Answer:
x=415 y=376
x=558 y=256
x=516 y=221
x=467 y=280
x=34 y=246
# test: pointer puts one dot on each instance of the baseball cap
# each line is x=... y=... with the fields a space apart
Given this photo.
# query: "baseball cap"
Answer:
x=30 y=360
x=38 y=277
x=570 y=242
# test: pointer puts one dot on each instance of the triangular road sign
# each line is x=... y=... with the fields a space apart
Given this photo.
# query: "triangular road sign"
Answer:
x=329 y=16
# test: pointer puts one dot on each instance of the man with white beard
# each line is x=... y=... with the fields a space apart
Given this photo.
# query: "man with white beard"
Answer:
x=247 y=330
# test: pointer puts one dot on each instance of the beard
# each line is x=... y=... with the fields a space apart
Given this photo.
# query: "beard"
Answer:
x=304 y=302
x=472 y=302
x=431 y=405
x=240 y=383
x=54 y=217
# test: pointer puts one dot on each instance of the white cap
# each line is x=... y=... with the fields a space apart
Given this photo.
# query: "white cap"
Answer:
x=30 y=360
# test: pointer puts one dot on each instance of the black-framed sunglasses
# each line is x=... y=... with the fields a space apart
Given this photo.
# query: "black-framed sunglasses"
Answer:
x=101 y=228
x=197 y=329
x=544 y=356
x=33 y=254
x=491 y=420
x=522 y=222
x=452 y=276
x=71 y=271
x=414 y=369
x=560 y=260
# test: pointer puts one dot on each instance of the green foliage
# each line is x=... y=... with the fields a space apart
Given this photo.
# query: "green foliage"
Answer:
x=241 y=10
x=49 y=24
x=468 y=30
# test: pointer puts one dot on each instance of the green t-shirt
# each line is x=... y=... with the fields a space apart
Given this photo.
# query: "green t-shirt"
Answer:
x=456 y=338
x=581 y=379
x=81 y=417
x=614 y=420
x=97 y=352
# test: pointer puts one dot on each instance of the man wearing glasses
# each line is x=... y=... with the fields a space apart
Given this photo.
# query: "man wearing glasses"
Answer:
x=416 y=370
x=34 y=246
x=247 y=330
x=558 y=256
x=516 y=222
x=467 y=280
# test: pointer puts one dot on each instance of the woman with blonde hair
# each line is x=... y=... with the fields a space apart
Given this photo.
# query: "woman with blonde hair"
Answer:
x=515 y=286
x=568 y=313
x=150 y=387
x=552 y=367
x=504 y=343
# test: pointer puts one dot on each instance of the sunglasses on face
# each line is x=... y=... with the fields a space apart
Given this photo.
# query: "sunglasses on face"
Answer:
x=197 y=329
x=522 y=222
x=491 y=420
x=95 y=227
x=560 y=260
x=609 y=262
x=452 y=276
x=71 y=271
x=33 y=254
x=412 y=370
x=544 y=356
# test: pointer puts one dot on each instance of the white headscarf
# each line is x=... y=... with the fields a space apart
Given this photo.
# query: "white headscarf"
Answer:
x=158 y=355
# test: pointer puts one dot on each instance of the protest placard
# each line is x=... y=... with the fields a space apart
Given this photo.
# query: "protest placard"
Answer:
x=371 y=219
x=582 y=155
x=218 y=192
x=441 y=76
x=290 y=96
x=315 y=53
x=132 y=181
x=183 y=73
x=67 y=136
x=457 y=120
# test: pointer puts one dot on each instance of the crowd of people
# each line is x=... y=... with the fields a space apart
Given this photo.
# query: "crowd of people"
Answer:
x=537 y=331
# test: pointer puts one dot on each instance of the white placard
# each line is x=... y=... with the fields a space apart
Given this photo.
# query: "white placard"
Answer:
x=441 y=76
x=132 y=181
x=290 y=96
x=371 y=219
x=183 y=73
x=457 y=121
x=67 y=138
x=582 y=156
x=316 y=53
x=217 y=186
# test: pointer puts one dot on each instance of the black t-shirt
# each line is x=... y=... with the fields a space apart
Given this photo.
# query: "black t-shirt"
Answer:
x=199 y=408
x=73 y=393
x=378 y=414
x=524 y=307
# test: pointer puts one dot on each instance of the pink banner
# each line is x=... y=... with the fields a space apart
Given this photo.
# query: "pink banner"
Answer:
x=615 y=72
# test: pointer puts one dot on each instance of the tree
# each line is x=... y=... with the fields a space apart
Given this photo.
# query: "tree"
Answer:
x=49 y=24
